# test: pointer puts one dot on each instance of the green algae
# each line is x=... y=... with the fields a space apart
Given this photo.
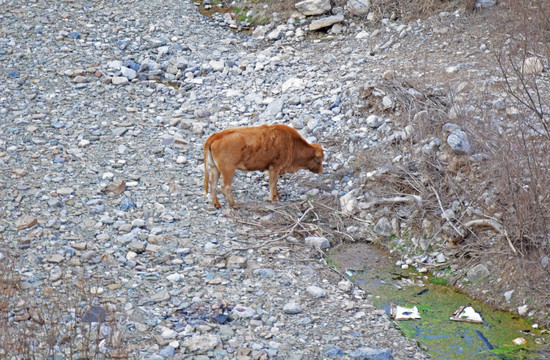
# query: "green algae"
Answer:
x=435 y=332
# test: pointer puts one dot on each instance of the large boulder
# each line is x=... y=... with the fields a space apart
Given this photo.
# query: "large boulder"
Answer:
x=358 y=7
x=313 y=7
x=326 y=22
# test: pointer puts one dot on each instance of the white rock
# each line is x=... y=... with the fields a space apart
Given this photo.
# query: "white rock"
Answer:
x=388 y=103
x=168 y=333
x=175 y=277
x=217 y=65
x=362 y=35
x=326 y=22
x=316 y=291
x=128 y=73
x=313 y=7
x=293 y=84
x=374 y=121
x=508 y=295
x=522 y=310
x=64 y=191
x=181 y=160
x=203 y=343
x=83 y=143
x=120 y=80
x=345 y=285
x=317 y=242
x=348 y=203
x=532 y=65
x=292 y=308
x=358 y=7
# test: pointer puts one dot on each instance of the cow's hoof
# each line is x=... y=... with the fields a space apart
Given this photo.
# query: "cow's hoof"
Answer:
x=217 y=205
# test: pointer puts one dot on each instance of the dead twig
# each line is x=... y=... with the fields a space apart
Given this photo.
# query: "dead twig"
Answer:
x=266 y=243
x=444 y=213
x=395 y=200
x=495 y=225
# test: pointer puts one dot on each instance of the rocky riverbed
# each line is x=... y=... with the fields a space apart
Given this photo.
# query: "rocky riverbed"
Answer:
x=104 y=109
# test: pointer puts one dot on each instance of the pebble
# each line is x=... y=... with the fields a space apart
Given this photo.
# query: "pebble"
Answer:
x=106 y=122
x=316 y=291
x=292 y=308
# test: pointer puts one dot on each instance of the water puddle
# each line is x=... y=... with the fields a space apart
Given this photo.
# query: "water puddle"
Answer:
x=375 y=272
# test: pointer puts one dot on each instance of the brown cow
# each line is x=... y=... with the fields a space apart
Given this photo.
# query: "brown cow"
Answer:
x=277 y=148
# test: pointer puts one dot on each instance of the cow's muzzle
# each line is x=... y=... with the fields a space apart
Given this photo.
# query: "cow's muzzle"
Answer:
x=317 y=166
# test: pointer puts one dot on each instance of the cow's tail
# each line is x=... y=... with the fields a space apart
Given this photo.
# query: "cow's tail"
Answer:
x=207 y=161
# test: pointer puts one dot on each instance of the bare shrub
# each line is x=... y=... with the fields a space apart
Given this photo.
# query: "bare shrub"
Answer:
x=410 y=10
x=72 y=322
x=523 y=147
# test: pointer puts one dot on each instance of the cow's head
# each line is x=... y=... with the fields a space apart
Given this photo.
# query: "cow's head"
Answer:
x=317 y=161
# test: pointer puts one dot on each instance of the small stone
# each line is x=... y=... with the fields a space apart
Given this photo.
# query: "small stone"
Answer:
x=522 y=310
x=116 y=188
x=56 y=258
x=80 y=79
x=348 y=203
x=292 y=308
x=55 y=274
x=128 y=73
x=371 y=354
x=313 y=7
x=174 y=277
x=316 y=291
x=325 y=22
x=137 y=246
x=532 y=65
x=203 y=343
x=243 y=312
x=388 y=103
x=161 y=296
x=64 y=191
x=345 y=285
x=374 y=121
x=26 y=221
x=293 y=84
x=181 y=160
x=478 y=273
x=236 y=261
x=383 y=227
x=317 y=242
x=508 y=295
x=120 y=80
x=217 y=65
x=167 y=352
x=458 y=142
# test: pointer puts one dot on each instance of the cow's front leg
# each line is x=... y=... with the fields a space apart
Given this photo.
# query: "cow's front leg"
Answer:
x=273 y=177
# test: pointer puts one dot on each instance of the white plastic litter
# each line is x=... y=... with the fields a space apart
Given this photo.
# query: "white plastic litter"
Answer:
x=403 y=313
x=467 y=314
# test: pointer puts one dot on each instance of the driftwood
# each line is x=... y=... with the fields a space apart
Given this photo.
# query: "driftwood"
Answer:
x=415 y=199
x=493 y=224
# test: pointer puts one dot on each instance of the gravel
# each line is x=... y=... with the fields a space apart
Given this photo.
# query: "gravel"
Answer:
x=104 y=111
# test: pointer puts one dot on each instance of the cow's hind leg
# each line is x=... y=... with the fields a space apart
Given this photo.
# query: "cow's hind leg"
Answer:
x=214 y=177
x=227 y=179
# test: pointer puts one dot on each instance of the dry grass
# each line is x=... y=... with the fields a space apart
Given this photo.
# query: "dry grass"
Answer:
x=68 y=320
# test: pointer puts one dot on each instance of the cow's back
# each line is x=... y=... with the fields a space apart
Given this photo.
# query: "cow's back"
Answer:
x=254 y=148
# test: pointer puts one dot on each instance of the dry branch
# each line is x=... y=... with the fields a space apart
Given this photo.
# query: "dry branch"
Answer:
x=493 y=224
x=414 y=199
